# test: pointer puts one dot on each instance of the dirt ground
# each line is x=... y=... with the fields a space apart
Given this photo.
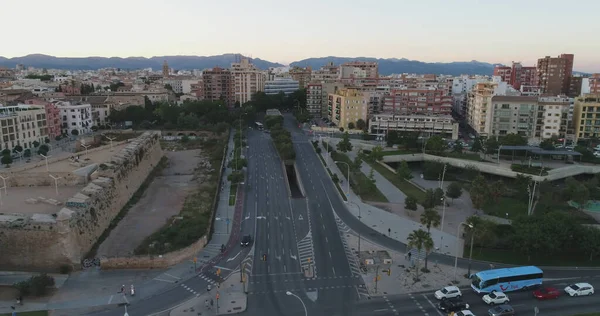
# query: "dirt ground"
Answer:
x=162 y=200
x=100 y=156
x=14 y=199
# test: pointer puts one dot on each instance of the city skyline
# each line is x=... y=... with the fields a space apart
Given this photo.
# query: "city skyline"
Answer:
x=438 y=31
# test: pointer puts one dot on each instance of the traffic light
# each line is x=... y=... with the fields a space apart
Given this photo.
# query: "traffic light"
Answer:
x=264 y=257
x=389 y=272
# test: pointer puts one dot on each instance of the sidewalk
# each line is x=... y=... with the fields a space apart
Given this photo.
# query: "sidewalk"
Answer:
x=94 y=287
x=231 y=300
x=400 y=227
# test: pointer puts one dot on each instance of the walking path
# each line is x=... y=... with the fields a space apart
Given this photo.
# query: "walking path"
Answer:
x=397 y=227
x=94 y=287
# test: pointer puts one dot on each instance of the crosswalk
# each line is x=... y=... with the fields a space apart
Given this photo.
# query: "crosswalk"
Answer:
x=352 y=258
x=306 y=253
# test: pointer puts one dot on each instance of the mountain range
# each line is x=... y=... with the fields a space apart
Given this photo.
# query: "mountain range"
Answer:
x=386 y=66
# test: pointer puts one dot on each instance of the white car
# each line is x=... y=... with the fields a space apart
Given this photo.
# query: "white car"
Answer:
x=464 y=313
x=579 y=289
x=448 y=292
x=495 y=298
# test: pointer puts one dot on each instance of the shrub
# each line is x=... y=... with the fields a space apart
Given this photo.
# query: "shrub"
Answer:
x=37 y=285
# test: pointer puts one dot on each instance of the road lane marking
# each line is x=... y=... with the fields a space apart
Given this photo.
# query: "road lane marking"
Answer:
x=163 y=280
x=231 y=259
x=332 y=268
x=380 y=310
x=223 y=268
x=174 y=277
x=110 y=299
x=326 y=239
x=330 y=255
x=432 y=305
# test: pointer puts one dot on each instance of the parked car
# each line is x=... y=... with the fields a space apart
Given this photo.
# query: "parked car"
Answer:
x=546 y=293
x=448 y=292
x=579 y=289
x=452 y=305
x=246 y=241
x=465 y=312
x=495 y=298
x=501 y=310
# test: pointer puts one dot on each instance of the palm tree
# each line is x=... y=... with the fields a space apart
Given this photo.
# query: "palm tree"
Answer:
x=430 y=218
x=428 y=246
x=417 y=239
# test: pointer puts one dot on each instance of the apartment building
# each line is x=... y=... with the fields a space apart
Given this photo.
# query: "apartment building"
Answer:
x=302 y=75
x=586 y=116
x=517 y=75
x=426 y=125
x=359 y=69
x=594 y=84
x=22 y=125
x=328 y=73
x=347 y=106
x=53 y=121
x=76 y=117
x=554 y=74
x=479 y=100
x=247 y=80
x=557 y=120
x=418 y=101
x=317 y=96
x=284 y=85
x=459 y=90
x=218 y=85
x=512 y=115
x=181 y=85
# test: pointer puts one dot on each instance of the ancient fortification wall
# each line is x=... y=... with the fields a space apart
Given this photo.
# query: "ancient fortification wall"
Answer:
x=42 y=242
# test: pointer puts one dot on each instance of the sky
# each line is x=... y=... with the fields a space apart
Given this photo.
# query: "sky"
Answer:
x=285 y=31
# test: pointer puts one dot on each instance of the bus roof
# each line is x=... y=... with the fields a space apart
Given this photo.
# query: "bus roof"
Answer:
x=496 y=273
x=258 y=123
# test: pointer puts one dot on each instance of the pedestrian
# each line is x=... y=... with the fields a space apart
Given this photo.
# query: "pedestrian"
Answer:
x=212 y=302
x=206 y=304
x=409 y=255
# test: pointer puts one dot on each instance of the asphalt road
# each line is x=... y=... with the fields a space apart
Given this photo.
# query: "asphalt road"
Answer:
x=522 y=302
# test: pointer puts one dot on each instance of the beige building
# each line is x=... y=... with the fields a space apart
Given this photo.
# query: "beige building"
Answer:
x=427 y=125
x=586 y=116
x=22 y=125
x=478 y=105
x=317 y=96
x=247 y=80
x=327 y=73
x=302 y=75
x=347 y=106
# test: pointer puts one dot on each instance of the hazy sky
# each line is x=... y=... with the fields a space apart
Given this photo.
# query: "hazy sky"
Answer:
x=285 y=31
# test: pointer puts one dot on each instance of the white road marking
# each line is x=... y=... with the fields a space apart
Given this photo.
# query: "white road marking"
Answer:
x=174 y=277
x=432 y=305
x=330 y=255
x=168 y=281
x=231 y=259
x=380 y=310
x=110 y=299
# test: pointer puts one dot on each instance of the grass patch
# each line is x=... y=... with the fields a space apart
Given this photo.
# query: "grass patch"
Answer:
x=195 y=217
x=512 y=206
x=359 y=182
x=406 y=187
x=36 y=313
x=399 y=152
x=510 y=256
x=529 y=170
x=132 y=201
x=232 y=194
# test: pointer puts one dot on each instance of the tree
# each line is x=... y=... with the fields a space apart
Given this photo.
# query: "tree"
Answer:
x=417 y=240
x=372 y=175
x=376 y=154
x=438 y=195
x=428 y=246
x=6 y=160
x=403 y=171
x=491 y=146
x=430 y=200
x=547 y=144
x=357 y=163
x=236 y=177
x=513 y=140
x=430 y=218
x=27 y=153
x=477 y=147
x=479 y=192
x=17 y=149
x=5 y=152
x=435 y=144
x=345 y=145
x=392 y=138
x=351 y=125
x=496 y=189
x=482 y=231
x=169 y=87
x=410 y=203
x=591 y=240
x=74 y=132
x=454 y=190
x=36 y=144
x=361 y=124
x=458 y=146
x=581 y=195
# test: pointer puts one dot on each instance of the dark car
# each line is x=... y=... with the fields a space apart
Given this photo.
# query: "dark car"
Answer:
x=501 y=310
x=452 y=305
x=546 y=293
x=246 y=241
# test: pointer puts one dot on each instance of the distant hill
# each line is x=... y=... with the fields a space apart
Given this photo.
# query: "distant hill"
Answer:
x=93 y=63
x=398 y=66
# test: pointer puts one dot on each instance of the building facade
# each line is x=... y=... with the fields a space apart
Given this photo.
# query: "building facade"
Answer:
x=426 y=125
x=327 y=74
x=347 y=106
x=76 y=117
x=53 y=121
x=302 y=75
x=285 y=85
x=359 y=69
x=478 y=104
x=247 y=80
x=554 y=74
x=218 y=85
x=594 y=84
x=418 y=101
x=22 y=125
x=586 y=116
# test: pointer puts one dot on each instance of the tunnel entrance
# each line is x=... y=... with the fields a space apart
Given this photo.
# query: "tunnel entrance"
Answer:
x=293 y=183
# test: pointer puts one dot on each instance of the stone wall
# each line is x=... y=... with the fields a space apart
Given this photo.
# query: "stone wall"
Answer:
x=44 y=242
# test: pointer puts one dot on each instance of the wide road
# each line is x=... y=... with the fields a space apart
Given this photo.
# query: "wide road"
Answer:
x=523 y=303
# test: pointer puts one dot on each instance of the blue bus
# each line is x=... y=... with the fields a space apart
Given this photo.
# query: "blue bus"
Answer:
x=507 y=279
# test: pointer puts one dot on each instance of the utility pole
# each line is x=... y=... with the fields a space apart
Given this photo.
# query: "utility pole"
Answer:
x=376 y=278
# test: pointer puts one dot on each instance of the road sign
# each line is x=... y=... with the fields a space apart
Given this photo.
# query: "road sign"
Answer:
x=195 y=260
x=217 y=295
x=219 y=271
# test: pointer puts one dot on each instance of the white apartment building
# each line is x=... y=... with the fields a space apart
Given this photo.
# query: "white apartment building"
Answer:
x=77 y=117
x=22 y=125
x=247 y=80
x=285 y=85
x=427 y=125
x=181 y=85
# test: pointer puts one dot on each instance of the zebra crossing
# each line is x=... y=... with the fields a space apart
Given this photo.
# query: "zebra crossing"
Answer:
x=209 y=277
x=354 y=267
x=306 y=253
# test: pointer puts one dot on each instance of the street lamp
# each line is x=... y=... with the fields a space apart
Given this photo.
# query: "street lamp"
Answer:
x=111 y=141
x=347 y=180
x=471 y=252
x=46 y=157
x=532 y=195
x=4 y=182
x=457 y=243
x=301 y=301
x=20 y=153
x=55 y=182
x=86 y=149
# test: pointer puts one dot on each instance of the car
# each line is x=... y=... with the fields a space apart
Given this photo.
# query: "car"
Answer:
x=465 y=312
x=448 y=292
x=452 y=305
x=579 y=289
x=501 y=310
x=246 y=241
x=546 y=293
x=495 y=298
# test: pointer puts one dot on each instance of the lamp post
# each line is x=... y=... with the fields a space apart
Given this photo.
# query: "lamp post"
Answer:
x=443 y=199
x=4 y=183
x=55 y=182
x=470 y=253
x=46 y=157
x=532 y=195
x=457 y=243
x=347 y=180
x=111 y=141
x=20 y=153
x=86 y=149
x=301 y=301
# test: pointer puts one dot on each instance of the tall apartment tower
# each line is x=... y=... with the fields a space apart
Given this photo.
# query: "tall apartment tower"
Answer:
x=247 y=80
x=554 y=74
x=165 y=69
x=517 y=75
x=218 y=85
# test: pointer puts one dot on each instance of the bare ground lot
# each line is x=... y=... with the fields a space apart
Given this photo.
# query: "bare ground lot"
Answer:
x=162 y=200
x=99 y=157
x=14 y=200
